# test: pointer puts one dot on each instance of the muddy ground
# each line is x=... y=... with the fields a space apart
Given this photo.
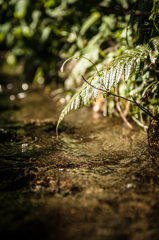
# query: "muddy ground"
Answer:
x=96 y=181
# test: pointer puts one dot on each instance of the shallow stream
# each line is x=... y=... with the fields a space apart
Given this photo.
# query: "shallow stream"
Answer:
x=96 y=181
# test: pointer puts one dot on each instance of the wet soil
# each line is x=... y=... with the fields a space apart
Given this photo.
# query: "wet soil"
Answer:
x=96 y=181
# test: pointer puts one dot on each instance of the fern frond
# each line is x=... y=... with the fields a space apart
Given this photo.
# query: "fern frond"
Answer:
x=81 y=97
x=132 y=61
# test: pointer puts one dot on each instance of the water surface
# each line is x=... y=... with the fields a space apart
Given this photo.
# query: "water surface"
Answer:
x=96 y=181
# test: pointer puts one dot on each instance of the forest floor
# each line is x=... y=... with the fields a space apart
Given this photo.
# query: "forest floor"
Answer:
x=96 y=181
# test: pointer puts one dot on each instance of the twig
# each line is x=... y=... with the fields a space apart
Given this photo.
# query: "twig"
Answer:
x=143 y=109
x=134 y=102
x=120 y=111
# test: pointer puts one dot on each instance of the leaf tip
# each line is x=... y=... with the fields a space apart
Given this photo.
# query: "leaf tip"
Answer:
x=61 y=69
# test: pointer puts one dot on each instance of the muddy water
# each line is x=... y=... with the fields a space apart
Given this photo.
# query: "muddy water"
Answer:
x=96 y=181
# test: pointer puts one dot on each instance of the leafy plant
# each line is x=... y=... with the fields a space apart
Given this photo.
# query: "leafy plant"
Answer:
x=133 y=61
x=137 y=65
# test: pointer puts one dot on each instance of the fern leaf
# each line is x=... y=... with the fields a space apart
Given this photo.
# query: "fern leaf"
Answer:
x=137 y=69
x=68 y=107
x=154 y=43
x=80 y=97
x=131 y=61
x=119 y=71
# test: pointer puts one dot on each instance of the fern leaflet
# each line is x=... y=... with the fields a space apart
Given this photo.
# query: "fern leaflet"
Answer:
x=132 y=61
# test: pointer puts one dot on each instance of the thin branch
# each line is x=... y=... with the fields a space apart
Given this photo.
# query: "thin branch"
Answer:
x=134 y=102
x=120 y=111
x=143 y=109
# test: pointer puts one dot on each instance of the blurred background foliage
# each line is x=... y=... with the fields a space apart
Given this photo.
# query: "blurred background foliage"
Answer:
x=39 y=35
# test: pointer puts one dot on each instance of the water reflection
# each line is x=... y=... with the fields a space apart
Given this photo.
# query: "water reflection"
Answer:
x=25 y=86
x=98 y=173
x=24 y=147
x=12 y=97
x=21 y=95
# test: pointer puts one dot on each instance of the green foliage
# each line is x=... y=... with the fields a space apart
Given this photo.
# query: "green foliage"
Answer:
x=44 y=33
x=132 y=61
x=136 y=64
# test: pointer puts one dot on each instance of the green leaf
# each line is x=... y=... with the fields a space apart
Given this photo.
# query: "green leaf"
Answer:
x=89 y=22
